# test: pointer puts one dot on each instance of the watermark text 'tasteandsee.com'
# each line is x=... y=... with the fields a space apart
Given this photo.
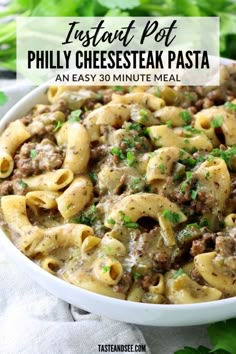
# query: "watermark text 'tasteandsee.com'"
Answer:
x=122 y=348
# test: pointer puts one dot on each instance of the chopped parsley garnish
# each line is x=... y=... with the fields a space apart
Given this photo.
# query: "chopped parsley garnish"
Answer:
x=116 y=151
x=183 y=185
x=231 y=106
x=88 y=217
x=194 y=194
x=134 y=126
x=158 y=93
x=171 y=216
x=190 y=129
x=106 y=269
x=118 y=88
x=33 y=153
x=130 y=143
x=185 y=116
x=111 y=221
x=186 y=141
x=127 y=221
x=131 y=159
x=143 y=115
x=69 y=206
x=131 y=88
x=207 y=175
x=136 y=276
x=3 y=98
x=22 y=184
x=203 y=222
x=75 y=116
x=225 y=154
x=178 y=272
x=169 y=123
x=99 y=97
x=93 y=176
x=217 y=121
x=189 y=95
x=58 y=126
x=161 y=167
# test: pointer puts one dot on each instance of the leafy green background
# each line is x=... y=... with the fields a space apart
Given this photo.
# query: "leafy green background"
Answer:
x=225 y=9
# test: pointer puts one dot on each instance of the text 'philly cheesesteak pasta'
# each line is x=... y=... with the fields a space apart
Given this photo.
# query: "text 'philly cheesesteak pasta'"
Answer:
x=128 y=192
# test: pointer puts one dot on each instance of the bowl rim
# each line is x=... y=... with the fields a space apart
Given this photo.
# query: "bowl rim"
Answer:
x=32 y=268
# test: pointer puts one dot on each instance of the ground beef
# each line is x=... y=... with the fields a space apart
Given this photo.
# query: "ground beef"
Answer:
x=162 y=261
x=6 y=187
x=33 y=158
x=226 y=251
x=124 y=284
x=98 y=152
x=205 y=244
x=196 y=276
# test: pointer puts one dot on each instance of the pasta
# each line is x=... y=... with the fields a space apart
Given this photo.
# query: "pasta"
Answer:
x=129 y=192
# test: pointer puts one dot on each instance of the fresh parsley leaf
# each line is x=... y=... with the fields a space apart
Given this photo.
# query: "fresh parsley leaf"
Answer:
x=33 y=153
x=134 y=126
x=226 y=155
x=118 y=88
x=22 y=184
x=161 y=167
x=111 y=221
x=178 y=272
x=217 y=121
x=158 y=93
x=93 y=176
x=131 y=159
x=185 y=116
x=136 y=276
x=184 y=184
x=3 y=98
x=222 y=335
x=99 y=97
x=116 y=151
x=75 y=116
x=173 y=217
x=190 y=350
x=143 y=115
x=194 y=194
x=127 y=221
x=58 y=126
x=106 y=269
x=231 y=106
x=169 y=123
x=119 y=4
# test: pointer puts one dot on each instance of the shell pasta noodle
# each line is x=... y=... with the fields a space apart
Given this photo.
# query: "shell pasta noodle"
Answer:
x=128 y=192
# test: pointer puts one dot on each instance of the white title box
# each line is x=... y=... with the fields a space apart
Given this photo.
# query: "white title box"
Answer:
x=119 y=50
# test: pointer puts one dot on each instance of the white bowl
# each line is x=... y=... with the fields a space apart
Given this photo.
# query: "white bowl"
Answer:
x=139 y=313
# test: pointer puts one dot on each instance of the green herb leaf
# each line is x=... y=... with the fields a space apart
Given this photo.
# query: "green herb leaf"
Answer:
x=136 y=276
x=178 y=272
x=22 y=184
x=158 y=93
x=119 y=4
x=161 y=167
x=111 y=221
x=169 y=123
x=33 y=153
x=185 y=116
x=3 y=98
x=222 y=335
x=58 y=126
x=127 y=221
x=231 y=106
x=118 y=88
x=75 y=116
x=106 y=269
x=217 y=121
x=173 y=217
x=143 y=115
x=93 y=176
x=116 y=151
x=131 y=159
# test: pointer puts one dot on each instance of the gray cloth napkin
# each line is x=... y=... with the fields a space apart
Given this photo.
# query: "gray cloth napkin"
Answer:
x=34 y=321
